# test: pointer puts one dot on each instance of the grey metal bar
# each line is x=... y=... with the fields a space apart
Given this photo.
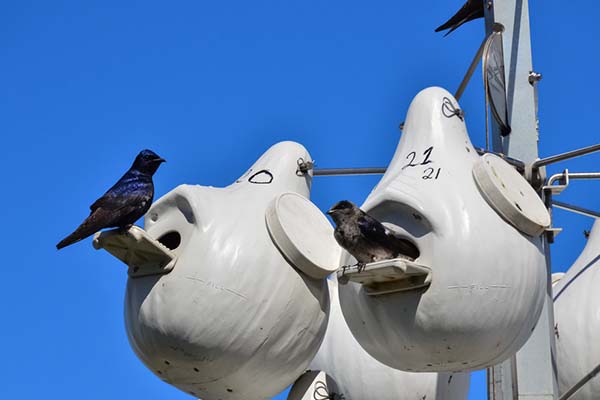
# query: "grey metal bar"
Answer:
x=518 y=164
x=573 y=175
x=584 y=175
x=565 y=156
x=576 y=209
x=579 y=384
x=531 y=373
x=348 y=171
x=472 y=68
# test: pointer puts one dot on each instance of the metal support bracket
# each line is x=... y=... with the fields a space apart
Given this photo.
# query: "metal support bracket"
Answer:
x=562 y=178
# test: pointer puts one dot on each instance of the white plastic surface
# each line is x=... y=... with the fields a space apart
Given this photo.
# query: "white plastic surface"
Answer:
x=358 y=376
x=303 y=234
x=507 y=192
x=314 y=385
x=577 y=320
x=233 y=320
x=488 y=279
x=388 y=276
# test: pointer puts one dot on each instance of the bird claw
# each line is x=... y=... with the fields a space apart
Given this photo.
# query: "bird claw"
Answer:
x=343 y=278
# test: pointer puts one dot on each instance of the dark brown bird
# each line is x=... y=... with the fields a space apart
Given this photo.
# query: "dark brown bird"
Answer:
x=122 y=204
x=471 y=10
x=365 y=238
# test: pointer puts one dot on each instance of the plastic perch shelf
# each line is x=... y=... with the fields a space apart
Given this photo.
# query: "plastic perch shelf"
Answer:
x=142 y=253
x=388 y=276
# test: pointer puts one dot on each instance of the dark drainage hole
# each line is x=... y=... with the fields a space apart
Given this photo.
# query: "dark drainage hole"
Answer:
x=171 y=240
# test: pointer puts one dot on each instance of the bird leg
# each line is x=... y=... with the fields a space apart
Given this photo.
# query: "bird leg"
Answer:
x=124 y=229
x=343 y=279
x=361 y=266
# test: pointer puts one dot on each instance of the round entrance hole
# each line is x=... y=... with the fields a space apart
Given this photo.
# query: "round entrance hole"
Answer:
x=171 y=240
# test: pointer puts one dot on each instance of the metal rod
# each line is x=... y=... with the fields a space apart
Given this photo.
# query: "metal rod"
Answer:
x=348 y=171
x=518 y=164
x=579 y=384
x=584 y=175
x=573 y=175
x=565 y=156
x=576 y=209
x=471 y=70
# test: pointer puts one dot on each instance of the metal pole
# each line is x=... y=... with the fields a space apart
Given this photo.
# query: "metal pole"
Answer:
x=575 y=209
x=566 y=156
x=304 y=168
x=471 y=70
x=567 y=176
x=531 y=373
x=348 y=171
x=569 y=393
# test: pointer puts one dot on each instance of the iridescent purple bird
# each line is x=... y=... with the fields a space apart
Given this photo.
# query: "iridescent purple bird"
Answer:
x=122 y=204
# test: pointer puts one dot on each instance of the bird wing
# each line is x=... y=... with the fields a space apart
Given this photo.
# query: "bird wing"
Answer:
x=124 y=193
x=372 y=229
x=376 y=232
x=471 y=10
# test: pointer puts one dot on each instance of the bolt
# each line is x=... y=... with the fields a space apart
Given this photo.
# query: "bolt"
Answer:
x=534 y=77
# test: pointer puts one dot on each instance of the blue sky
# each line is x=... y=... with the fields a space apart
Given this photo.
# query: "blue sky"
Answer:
x=209 y=86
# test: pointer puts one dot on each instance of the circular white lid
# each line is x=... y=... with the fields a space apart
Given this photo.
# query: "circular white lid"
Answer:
x=510 y=195
x=303 y=234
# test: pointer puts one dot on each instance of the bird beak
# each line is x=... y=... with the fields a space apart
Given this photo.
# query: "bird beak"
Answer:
x=330 y=212
x=161 y=160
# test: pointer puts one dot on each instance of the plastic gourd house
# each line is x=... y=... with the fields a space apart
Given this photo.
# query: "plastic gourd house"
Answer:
x=577 y=321
x=479 y=282
x=343 y=368
x=233 y=319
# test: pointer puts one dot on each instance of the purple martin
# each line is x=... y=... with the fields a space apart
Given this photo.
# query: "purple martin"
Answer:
x=471 y=10
x=365 y=238
x=122 y=204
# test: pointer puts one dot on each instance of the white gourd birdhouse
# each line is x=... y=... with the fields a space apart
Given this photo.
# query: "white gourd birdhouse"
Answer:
x=353 y=373
x=479 y=302
x=577 y=320
x=233 y=319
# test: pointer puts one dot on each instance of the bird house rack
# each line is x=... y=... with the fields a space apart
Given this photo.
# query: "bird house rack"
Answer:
x=142 y=253
x=388 y=276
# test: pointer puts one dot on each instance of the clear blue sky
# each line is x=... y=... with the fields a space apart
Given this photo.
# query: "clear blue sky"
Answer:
x=85 y=85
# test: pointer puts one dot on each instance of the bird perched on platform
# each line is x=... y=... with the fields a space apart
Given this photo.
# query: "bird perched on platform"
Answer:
x=471 y=10
x=365 y=238
x=122 y=204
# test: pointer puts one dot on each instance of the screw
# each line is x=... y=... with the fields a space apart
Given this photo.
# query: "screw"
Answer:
x=534 y=77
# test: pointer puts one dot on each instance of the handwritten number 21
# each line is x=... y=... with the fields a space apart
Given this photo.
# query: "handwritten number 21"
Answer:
x=412 y=155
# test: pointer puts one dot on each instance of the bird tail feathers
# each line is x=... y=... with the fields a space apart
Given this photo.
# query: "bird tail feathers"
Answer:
x=87 y=228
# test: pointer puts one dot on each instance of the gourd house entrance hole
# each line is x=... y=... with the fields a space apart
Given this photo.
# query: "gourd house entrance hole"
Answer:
x=171 y=240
